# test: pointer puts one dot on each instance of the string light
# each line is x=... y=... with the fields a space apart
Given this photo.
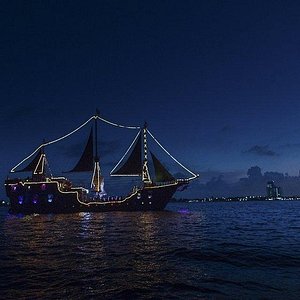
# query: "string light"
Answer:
x=51 y=142
x=96 y=178
x=146 y=176
x=95 y=183
x=68 y=134
x=40 y=165
x=131 y=145
x=117 y=125
x=192 y=173
x=77 y=193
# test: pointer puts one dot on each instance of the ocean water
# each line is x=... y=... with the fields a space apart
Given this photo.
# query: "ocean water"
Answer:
x=239 y=250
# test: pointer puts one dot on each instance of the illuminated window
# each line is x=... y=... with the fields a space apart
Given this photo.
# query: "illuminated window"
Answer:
x=35 y=199
x=50 y=198
x=20 y=198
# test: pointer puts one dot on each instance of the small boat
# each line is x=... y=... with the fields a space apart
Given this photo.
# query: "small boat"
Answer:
x=41 y=192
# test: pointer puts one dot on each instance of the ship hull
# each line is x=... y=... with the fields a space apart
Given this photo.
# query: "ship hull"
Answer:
x=50 y=196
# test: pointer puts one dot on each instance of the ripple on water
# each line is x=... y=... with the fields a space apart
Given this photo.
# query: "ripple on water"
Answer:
x=210 y=251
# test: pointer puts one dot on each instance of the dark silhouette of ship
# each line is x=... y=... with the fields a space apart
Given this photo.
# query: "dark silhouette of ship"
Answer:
x=44 y=193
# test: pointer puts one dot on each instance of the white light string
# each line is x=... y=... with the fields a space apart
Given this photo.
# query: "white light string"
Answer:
x=68 y=134
x=117 y=125
x=124 y=156
x=51 y=142
x=192 y=173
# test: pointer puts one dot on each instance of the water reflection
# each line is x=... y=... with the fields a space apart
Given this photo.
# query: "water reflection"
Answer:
x=99 y=253
x=206 y=251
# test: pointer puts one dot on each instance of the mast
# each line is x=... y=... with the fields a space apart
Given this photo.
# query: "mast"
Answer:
x=96 y=136
x=145 y=171
x=97 y=180
x=39 y=170
x=37 y=166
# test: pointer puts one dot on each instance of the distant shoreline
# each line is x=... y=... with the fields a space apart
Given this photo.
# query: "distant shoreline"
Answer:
x=216 y=199
x=235 y=199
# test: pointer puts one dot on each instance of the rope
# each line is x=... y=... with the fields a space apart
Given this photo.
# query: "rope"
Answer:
x=113 y=124
x=51 y=142
x=117 y=125
x=70 y=133
x=180 y=164
x=125 y=154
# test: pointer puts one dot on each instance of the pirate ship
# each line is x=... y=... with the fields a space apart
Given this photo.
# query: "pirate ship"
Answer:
x=41 y=192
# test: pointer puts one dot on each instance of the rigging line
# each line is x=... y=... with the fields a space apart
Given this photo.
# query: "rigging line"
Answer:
x=51 y=142
x=192 y=173
x=117 y=125
x=125 y=153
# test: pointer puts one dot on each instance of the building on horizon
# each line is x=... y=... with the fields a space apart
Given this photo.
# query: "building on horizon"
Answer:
x=273 y=191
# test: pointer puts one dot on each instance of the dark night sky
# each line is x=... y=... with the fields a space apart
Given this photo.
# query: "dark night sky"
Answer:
x=217 y=81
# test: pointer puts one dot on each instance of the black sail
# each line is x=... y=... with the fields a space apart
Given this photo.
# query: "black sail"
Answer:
x=86 y=161
x=161 y=173
x=133 y=165
x=32 y=165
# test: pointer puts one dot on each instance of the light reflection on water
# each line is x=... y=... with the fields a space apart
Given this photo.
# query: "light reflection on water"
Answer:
x=208 y=250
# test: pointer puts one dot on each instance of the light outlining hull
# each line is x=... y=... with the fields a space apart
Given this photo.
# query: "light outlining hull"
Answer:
x=57 y=196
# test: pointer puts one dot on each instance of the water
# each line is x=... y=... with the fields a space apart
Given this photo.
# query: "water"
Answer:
x=240 y=250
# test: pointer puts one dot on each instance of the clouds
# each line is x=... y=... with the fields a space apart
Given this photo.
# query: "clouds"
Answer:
x=231 y=176
x=219 y=186
x=261 y=151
